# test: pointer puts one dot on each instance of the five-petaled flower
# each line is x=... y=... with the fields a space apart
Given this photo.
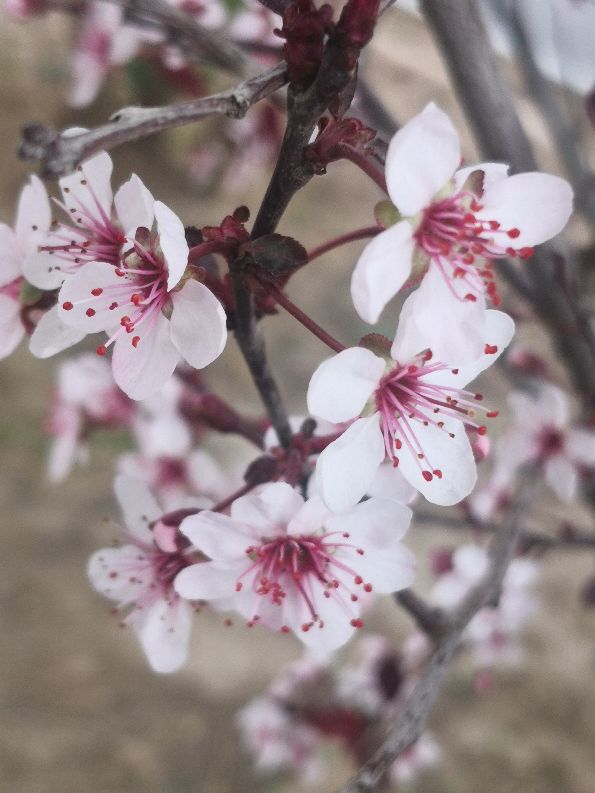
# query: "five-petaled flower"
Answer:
x=409 y=408
x=453 y=224
x=294 y=566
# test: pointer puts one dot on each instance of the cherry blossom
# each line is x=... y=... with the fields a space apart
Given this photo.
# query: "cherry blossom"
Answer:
x=409 y=409
x=452 y=225
x=16 y=244
x=86 y=398
x=542 y=433
x=153 y=313
x=140 y=574
x=294 y=566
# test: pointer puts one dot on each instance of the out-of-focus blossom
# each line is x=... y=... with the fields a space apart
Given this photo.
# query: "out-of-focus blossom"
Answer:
x=455 y=223
x=295 y=566
x=140 y=574
x=409 y=408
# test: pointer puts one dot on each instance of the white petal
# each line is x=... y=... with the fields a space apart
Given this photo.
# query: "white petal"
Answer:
x=143 y=370
x=389 y=482
x=78 y=290
x=134 y=205
x=12 y=329
x=347 y=466
x=310 y=518
x=173 y=243
x=388 y=568
x=581 y=446
x=270 y=509
x=198 y=324
x=207 y=581
x=452 y=456
x=377 y=522
x=122 y=574
x=337 y=629
x=422 y=157
x=89 y=186
x=381 y=270
x=551 y=406
x=538 y=204
x=561 y=475
x=163 y=630
x=470 y=562
x=499 y=330
x=436 y=319
x=51 y=335
x=33 y=215
x=492 y=173
x=341 y=385
x=138 y=506
x=11 y=256
x=218 y=536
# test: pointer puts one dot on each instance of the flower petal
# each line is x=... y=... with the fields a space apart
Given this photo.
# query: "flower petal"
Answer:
x=581 y=446
x=421 y=158
x=109 y=570
x=172 y=240
x=218 y=536
x=34 y=216
x=347 y=466
x=492 y=173
x=390 y=483
x=452 y=456
x=341 y=385
x=142 y=370
x=11 y=257
x=138 y=506
x=269 y=510
x=388 y=568
x=12 y=329
x=561 y=475
x=206 y=581
x=134 y=205
x=381 y=270
x=163 y=630
x=538 y=204
x=198 y=324
x=78 y=291
x=51 y=335
x=88 y=189
x=377 y=522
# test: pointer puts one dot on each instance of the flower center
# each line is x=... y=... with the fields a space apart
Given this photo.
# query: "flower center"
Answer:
x=551 y=442
x=463 y=246
x=405 y=400
x=303 y=568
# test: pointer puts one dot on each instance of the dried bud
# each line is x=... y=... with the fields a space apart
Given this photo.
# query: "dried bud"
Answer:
x=261 y=470
x=275 y=257
x=304 y=29
x=354 y=30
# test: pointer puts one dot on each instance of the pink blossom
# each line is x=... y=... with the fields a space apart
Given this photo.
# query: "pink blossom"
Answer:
x=16 y=244
x=140 y=575
x=409 y=409
x=152 y=312
x=417 y=759
x=453 y=224
x=86 y=398
x=294 y=566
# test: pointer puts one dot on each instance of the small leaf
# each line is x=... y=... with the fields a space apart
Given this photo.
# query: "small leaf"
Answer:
x=386 y=214
x=276 y=255
x=30 y=295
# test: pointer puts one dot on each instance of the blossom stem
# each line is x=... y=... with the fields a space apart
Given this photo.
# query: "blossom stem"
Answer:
x=226 y=502
x=343 y=239
x=364 y=162
x=304 y=319
x=206 y=248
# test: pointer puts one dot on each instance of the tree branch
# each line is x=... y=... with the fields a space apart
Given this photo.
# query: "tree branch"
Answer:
x=431 y=619
x=60 y=153
x=482 y=90
x=418 y=705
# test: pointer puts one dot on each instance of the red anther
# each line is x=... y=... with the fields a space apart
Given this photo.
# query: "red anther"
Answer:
x=360 y=551
x=395 y=462
x=67 y=306
x=97 y=291
x=491 y=288
x=526 y=253
x=427 y=475
x=113 y=306
x=306 y=626
x=510 y=252
x=482 y=430
x=490 y=349
x=398 y=444
x=90 y=312
x=478 y=397
x=469 y=258
x=357 y=623
x=469 y=218
x=284 y=629
x=354 y=598
x=135 y=341
x=491 y=414
x=454 y=371
x=477 y=248
x=494 y=225
x=471 y=298
x=136 y=298
x=120 y=272
x=367 y=587
x=412 y=369
x=476 y=206
x=346 y=535
x=514 y=233
x=358 y=580
x=458 y=272
x=437 y=473
x=101 y=350
x=238 y=586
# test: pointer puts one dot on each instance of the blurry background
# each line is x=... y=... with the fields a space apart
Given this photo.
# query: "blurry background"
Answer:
x=80 y=711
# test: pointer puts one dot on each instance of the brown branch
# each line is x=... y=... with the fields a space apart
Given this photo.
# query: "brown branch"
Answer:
x=60 y=153
x=483 y=92
x=432 y=620
x=412 y=720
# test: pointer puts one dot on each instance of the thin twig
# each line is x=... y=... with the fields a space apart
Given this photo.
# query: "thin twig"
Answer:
x=431 y=619
x=412 y=720
x=60 y=153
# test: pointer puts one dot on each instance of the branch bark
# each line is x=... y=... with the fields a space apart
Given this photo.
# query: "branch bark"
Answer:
x=60 y=153
x=418 y=705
